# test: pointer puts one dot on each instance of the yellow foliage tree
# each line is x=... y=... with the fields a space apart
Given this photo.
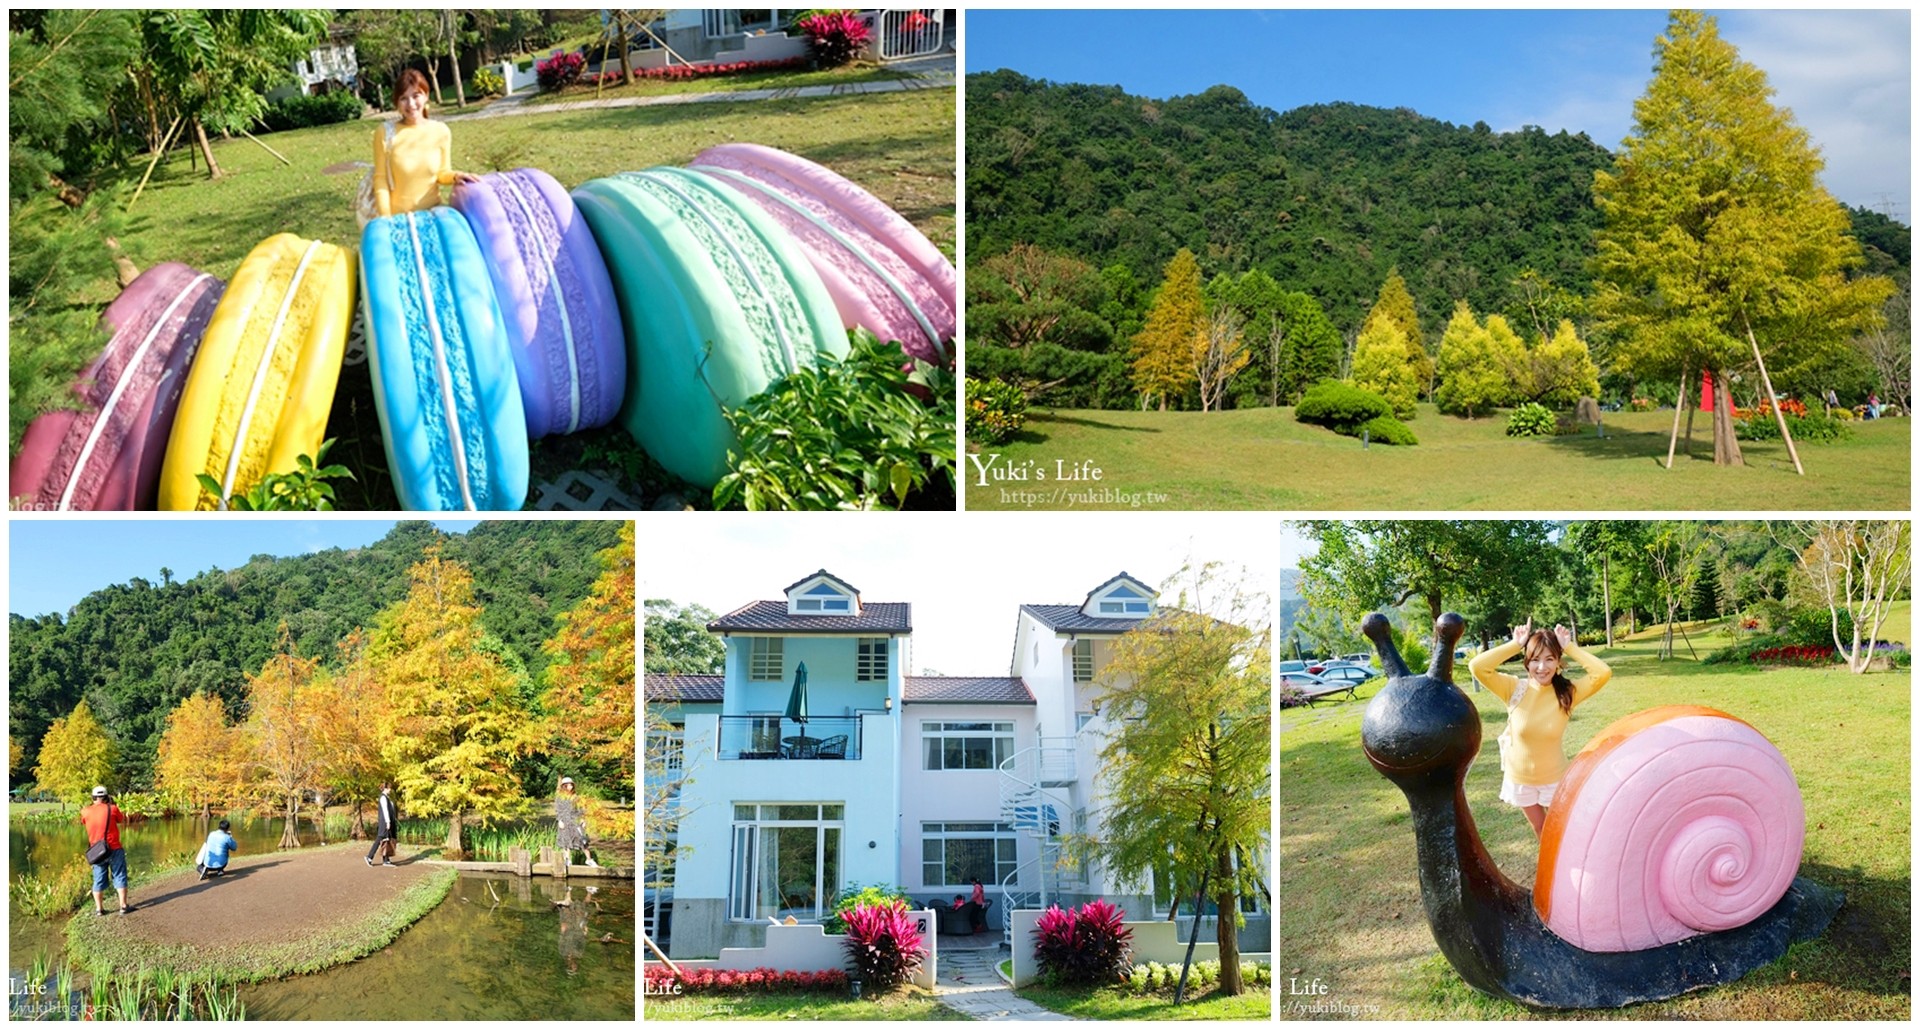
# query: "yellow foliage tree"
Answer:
x=454 y=722
x=1163 y=349
x=283 y=730
x=75 y=754
x=1395 y=302
x=590 y=683
x=1380 y=364
x=200 y=757
x=352 y=766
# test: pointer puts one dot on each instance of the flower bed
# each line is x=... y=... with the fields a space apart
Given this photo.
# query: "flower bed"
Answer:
x=680 y=72
x=1793 y=654
x=661 y=981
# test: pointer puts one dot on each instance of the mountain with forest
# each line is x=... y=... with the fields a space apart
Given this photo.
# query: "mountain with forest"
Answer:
x=1326 y=199
x=134 y=650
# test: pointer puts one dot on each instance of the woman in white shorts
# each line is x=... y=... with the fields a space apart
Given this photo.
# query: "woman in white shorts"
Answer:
x=1539 y=705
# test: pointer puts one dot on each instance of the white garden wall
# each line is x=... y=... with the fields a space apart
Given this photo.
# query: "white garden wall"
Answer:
x=1155 y=941
x=809 y=948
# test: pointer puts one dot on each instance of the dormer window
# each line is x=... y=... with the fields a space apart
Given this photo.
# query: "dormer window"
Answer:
x=1122 y=597
x=822 y=594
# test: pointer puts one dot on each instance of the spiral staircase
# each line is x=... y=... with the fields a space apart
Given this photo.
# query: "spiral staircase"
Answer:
x=1036 y=799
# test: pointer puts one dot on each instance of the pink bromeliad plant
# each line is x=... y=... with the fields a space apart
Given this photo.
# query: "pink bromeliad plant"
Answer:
x=884 y=944
x=835 y=37
x=1089 y=946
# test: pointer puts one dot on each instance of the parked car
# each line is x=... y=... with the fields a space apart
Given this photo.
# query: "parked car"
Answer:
x=1348 y=674
x=1291 y=665
x=1359 y=658
x=1303 y=680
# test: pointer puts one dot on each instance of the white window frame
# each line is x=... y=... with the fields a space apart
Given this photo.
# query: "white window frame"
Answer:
x=1006 y=841
x=766 y=659
x=1001 y=732
x=743 y=881
x=1249 y=901
x=823 y=598
x=871 y=664
x=1083 y=660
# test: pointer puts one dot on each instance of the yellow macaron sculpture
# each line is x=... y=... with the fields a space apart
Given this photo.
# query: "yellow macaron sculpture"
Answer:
x=261 y=388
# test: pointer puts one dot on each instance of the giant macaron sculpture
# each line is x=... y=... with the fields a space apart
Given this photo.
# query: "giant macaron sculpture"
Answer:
x=884 y=275
x=563 y=323
x=718 y=302
x=262 y=384
x=451 y=416
x=107 y=454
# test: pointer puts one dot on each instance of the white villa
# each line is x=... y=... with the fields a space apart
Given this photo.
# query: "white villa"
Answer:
x=924 y=782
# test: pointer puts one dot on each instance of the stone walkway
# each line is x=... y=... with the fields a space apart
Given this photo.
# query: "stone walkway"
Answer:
x=968 y=984
x=937 y=75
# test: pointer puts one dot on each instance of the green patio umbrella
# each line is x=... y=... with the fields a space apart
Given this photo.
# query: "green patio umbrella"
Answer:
x=797 y=701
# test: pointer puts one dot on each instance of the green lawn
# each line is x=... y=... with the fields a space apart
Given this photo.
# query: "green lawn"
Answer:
x=899 y=146
x=1261 y=458
x=1255 y=1003
x=907 y=1003
x=843 y=76
x=1351 y=904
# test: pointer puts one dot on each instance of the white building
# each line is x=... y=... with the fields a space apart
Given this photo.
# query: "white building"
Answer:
x=924 y=782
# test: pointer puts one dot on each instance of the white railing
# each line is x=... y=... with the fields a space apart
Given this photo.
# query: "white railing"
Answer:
x=910 y=33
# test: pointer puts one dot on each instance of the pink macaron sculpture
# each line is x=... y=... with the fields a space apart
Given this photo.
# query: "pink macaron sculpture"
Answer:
x=107 y=454
x=882 y=273
x=562 y=319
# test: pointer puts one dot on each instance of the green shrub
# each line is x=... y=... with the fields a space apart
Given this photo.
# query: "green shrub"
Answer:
x=853 y=895
x=488 y=83
x=1818 y=428
x=846 y=434
x=1339 y=405
x=1531 y=419
x=995 y=411
x=1388 y=430
x=304 y=112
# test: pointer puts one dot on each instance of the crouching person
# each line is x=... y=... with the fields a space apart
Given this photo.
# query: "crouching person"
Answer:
x=213 y=855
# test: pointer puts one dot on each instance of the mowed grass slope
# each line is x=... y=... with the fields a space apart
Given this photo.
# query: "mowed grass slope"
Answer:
x=1262 y=458
x=1350 y=902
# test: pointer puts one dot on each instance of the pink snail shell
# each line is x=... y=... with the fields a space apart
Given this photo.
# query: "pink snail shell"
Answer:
x=1672 y=822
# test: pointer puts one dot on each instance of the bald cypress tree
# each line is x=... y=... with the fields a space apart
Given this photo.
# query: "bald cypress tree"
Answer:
x=1720 y=249
x=1163 y=350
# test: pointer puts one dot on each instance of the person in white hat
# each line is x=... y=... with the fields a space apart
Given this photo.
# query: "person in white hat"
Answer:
x=573 y=827
x=103 y=820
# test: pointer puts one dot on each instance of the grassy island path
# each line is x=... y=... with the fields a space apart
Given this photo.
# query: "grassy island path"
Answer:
x=271 y=915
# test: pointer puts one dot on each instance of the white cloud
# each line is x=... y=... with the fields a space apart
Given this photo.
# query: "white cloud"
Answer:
x=1847 y=76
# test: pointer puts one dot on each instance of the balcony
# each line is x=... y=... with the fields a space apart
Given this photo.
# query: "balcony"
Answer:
x=772 y=738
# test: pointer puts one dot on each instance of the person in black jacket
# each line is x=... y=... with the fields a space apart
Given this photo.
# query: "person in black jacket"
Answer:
x=389 y=826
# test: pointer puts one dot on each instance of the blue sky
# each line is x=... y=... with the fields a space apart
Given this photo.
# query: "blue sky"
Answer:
x=53 y=564
x=1846 y=75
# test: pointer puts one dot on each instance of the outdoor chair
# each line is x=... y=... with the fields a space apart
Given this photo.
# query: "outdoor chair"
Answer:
x=1331 y=691
x=953 y=921
x=832 y=747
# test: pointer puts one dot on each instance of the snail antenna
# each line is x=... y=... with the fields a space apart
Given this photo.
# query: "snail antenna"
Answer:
x=1447 y=630
x=1376 y=628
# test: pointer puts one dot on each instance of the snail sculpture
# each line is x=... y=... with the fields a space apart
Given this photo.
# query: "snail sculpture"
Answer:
x=1666 y=864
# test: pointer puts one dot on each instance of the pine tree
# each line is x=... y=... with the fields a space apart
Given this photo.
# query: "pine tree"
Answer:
x=455 y=722
x=1396 y=303
x=590 y=684
x=1472 y=378
x=1380 y=364
x=200 y=755
x=283 y=730
x=1162 y=365
x=1312 y=349
x=1719 y=243
x=75 y=755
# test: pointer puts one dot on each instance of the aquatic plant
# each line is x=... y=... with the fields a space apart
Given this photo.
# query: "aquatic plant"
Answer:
x=43 y=893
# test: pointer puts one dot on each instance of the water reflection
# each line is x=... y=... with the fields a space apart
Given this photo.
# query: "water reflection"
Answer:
x=499 y=947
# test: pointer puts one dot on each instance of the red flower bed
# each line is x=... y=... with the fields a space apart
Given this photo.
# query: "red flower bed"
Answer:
x=1798 y=654
x=661 y=981
x=612 y=77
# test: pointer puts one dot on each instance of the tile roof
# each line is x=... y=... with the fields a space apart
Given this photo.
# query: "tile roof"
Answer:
x=811 y=575
x=1070 y=619
x=703 y=686
x=771 y=616
x=1123 y=575
x=956 y=690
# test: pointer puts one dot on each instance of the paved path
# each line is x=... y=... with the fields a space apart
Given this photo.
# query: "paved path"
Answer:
x=969 y=984
x=925 y=77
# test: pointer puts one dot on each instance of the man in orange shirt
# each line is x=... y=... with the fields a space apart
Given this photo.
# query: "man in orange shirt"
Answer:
x=103 y=820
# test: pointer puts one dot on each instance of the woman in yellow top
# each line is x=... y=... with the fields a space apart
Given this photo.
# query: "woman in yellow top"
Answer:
x=409 y=170
x=1532 y=759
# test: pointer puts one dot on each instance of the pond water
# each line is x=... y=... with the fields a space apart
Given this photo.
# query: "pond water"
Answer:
x=499 y=947
x=49 y=845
